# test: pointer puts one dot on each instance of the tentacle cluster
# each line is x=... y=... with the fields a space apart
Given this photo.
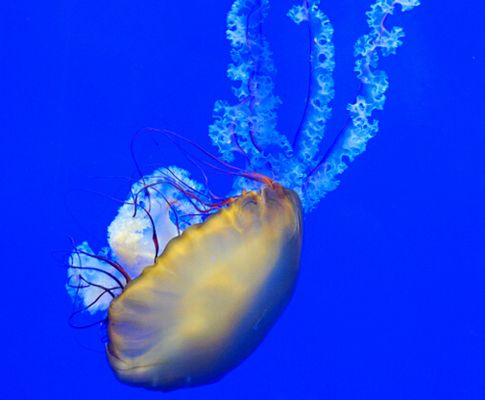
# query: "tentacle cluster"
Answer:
x=249 y=127
x=353 y=139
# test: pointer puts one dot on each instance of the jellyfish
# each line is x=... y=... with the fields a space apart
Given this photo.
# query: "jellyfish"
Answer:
x=190 y=282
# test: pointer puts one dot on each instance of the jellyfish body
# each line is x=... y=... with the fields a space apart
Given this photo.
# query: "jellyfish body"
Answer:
x=212 y=295
x=194 y=281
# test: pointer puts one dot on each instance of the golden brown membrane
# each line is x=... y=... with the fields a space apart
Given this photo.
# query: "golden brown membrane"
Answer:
x=211 y=297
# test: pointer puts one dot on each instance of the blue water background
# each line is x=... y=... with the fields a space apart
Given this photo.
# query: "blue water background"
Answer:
x=390 y=302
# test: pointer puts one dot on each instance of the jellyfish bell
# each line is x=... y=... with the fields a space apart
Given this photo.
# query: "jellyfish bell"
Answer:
x=211 y=297
x=191 y=282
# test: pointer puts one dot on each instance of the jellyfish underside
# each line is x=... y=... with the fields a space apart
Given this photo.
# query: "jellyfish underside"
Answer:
x=211 y=296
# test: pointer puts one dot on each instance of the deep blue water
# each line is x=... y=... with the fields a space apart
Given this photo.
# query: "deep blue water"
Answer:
x=391 y=299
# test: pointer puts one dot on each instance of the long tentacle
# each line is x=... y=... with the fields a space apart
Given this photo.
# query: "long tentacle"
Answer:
x=249 y=127
x=320 y=93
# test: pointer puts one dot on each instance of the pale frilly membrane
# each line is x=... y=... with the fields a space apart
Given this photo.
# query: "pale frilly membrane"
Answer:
x=157 y=210
x=159 y=205
x=92 y=283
